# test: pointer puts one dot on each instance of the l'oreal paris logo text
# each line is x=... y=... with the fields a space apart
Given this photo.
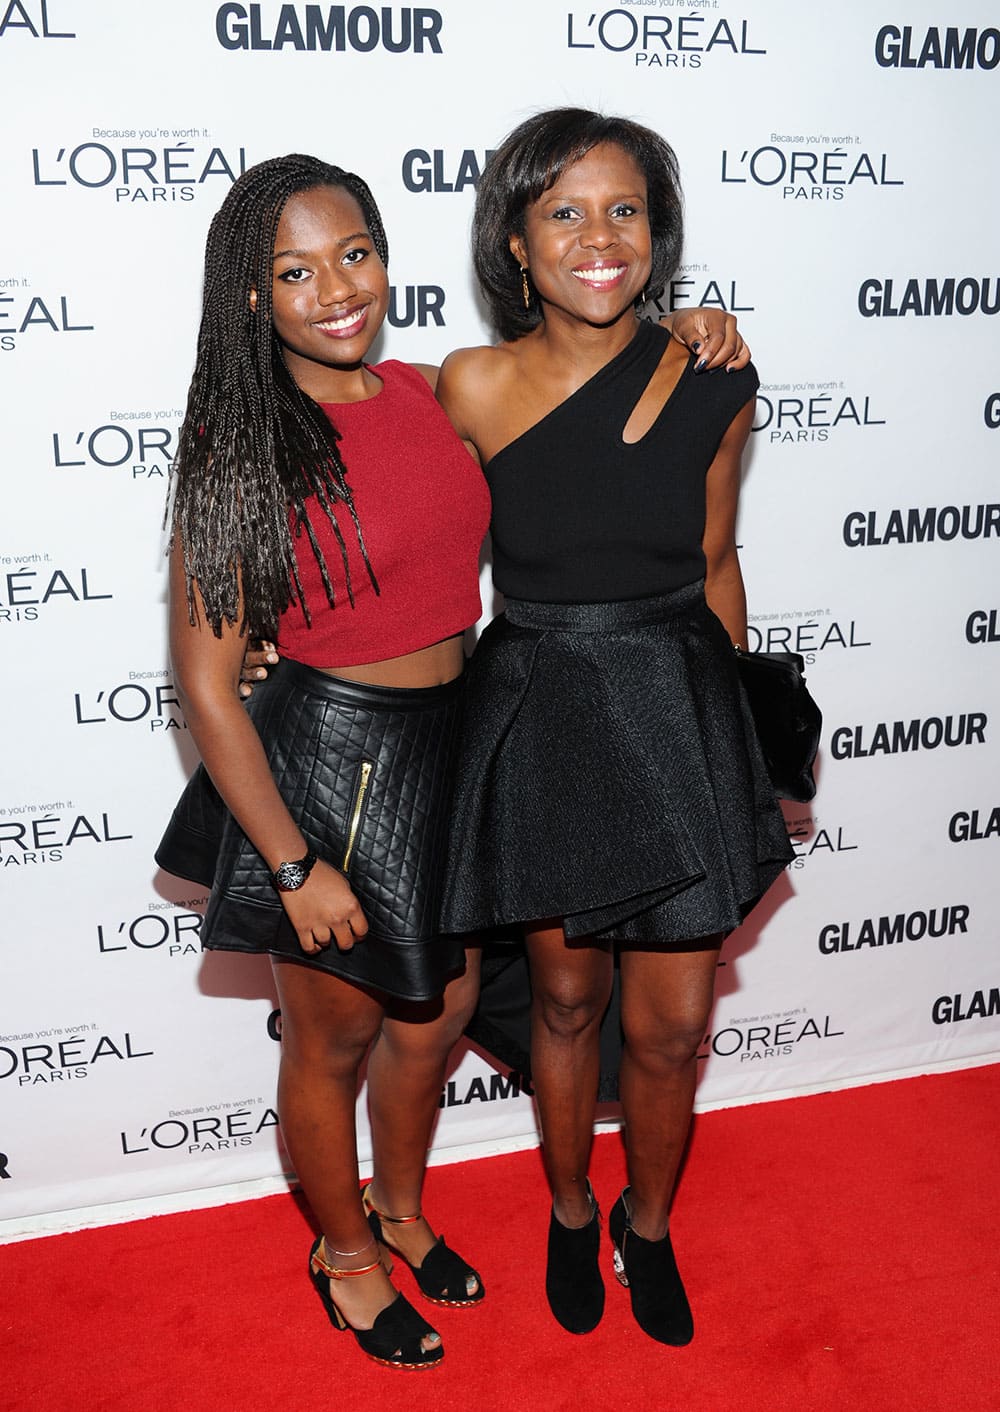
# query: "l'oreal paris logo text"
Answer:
x=34 y=312
x=660 y=41
x=146 y=175
x=33 y=18
x=807 y=173
x=26 y=590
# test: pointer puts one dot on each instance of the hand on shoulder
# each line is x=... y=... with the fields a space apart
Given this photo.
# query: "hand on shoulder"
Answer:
x=712 y=334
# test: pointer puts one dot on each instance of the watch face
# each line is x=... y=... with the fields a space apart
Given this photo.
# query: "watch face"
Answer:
x=290 y=876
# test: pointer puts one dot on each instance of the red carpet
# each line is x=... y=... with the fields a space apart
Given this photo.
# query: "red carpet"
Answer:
x=839 y=1251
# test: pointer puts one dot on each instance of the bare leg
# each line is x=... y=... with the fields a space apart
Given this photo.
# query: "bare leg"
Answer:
x=326 y=1028
x=571 y=986
x=405 y=1077
x=666 y=1004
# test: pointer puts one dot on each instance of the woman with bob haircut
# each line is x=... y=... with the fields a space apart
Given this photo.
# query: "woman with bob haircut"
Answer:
x=325 y=503
x=611 y=801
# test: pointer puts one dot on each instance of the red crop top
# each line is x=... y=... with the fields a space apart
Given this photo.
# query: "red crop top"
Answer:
x=424 y=508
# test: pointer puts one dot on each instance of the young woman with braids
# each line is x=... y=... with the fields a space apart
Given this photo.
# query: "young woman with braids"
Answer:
x=326 y=504
x=611 y=795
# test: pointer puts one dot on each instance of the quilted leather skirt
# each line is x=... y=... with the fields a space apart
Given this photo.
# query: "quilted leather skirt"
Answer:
x=366 y=772
x=610 y=776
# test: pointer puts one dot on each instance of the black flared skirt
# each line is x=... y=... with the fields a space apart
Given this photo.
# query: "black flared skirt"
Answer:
x=366 y=771
x=610 y=776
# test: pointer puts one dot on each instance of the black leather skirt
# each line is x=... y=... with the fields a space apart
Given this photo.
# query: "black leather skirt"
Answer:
x=610 y=776
x=366 y=772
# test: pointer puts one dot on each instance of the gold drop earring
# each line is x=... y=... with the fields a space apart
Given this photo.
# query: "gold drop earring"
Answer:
x=525 y=291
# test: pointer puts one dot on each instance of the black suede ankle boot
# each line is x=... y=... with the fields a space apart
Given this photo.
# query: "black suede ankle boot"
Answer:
x=573 y=1283
x=648 y=1270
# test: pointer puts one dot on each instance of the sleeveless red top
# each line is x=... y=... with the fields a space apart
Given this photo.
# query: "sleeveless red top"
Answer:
x=424 y=509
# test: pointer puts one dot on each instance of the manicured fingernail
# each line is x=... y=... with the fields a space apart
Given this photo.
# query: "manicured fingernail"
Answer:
x=699 y=367
x=730 y=369
x=695 y=346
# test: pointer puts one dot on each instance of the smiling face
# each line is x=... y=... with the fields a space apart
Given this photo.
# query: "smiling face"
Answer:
x=329 y=289
x=586 y=239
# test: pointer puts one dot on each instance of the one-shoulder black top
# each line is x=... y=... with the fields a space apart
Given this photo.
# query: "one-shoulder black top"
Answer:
x=582 y=516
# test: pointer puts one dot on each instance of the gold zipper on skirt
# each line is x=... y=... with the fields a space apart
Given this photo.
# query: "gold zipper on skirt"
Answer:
x=359 y=803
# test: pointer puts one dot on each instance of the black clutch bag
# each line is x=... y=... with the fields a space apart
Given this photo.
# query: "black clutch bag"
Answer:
x=786 y=718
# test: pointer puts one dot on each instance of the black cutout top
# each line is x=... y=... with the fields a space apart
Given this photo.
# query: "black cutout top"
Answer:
x=582 y=516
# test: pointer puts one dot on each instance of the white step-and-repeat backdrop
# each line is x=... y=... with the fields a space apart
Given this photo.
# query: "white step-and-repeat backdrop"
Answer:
x=839 y=171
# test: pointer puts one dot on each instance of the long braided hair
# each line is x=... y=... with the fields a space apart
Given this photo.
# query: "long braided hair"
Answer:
x=253 y=447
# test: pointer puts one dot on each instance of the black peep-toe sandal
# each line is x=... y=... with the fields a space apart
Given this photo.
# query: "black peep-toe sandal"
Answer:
x=395 y=1338
x=442 y=1276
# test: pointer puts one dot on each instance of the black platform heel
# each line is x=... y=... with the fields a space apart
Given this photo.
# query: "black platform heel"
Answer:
x=395 y=1338
x=442 y=1276
x=648 y=1271
x=573 y=1283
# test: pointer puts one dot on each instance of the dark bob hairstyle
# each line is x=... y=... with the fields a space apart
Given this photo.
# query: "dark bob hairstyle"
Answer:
x=530 y=161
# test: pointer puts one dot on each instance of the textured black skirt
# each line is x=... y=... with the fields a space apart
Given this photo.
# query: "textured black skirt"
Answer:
x=610 y=776
x=365 y=771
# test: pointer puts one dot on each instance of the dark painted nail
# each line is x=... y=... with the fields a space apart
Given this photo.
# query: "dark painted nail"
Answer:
x=700 y=366
x=695 y=346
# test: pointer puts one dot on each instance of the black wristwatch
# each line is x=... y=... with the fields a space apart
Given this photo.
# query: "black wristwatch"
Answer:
x=287 y=877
